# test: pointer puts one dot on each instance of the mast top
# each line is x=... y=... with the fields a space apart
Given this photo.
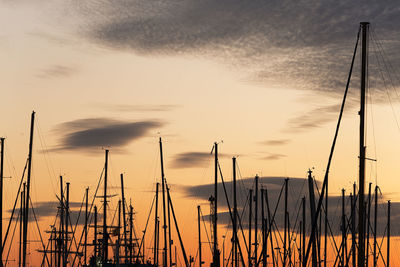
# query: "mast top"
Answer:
x=364 y=23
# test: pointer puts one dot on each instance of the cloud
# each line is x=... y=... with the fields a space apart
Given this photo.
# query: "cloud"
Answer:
x=298 y=188
x=275 y=142
x=138 y=108
x=273 y=156
x=92 y=133
x=191 y=159
x=56 y=71
x=300 y=45
x=315 y=118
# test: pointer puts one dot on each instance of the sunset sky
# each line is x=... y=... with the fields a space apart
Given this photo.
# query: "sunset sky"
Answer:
x=265 y=79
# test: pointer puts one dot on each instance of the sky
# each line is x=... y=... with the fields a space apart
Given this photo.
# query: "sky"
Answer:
x=265 y=79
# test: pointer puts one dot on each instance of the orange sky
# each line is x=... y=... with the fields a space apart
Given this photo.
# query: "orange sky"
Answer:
x=254 y=99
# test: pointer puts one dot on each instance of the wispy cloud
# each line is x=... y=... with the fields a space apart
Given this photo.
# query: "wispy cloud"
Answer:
x=299 y=45
x=273 y=156
x=56 y=71
x=191 y=160
x=138 y=108
x=275 y=142
x=93 y=133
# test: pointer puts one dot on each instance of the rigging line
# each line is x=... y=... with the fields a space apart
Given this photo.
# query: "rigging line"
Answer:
x=37 y=225
x=271 y=223
x=77 y=220
x=147 y=222
x=205 y=227
x=230 y=212
x=45 y=154
x=15 y=203
x=315 y=221
x=12 y=238
x=90 y=213
x=328 y=223
x=387 y=92
x=386 y=62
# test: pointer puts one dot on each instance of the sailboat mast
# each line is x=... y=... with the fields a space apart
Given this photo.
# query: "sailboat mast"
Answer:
x=235 y=215
x=27 y=194
x=86 y=224
x=155 y=227
x=250 y=214
x=256 y=222
x=124 y=216
x=199 y=230
x=216 y=258
x=105 y=235
x=165 y=255
x=1 y=199
x=361 y=203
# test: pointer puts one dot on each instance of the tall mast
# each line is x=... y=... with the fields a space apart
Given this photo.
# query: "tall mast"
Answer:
x=66 y=227
x=105 y=235
x=27 y=194
x=235 y=215
x=256 y=222
x=250 y=214
x=131 y=234
x=263 y=242
x=61 y=230
x=1 y=199
x=361 y=203
x=375 y=223
x=368 y=222
x=21 y=220
x=155 y=226
x=388 y=237
x=86 y=224
x=95 y=233
x=199 y=230
x=303 y=201
x=124 y=215
x=313 y=219
x=165 y=255
x=119 y=233
x=285 y=237
x=343 y=228
x=216 y=258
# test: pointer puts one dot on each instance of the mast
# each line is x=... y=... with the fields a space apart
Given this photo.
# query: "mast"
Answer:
x=285 y=223
x=269 y=227
x=375 y=223
x=199 y=230
x=264 y=253
x=235 y=215
x=353 y=229
x=169 y=234
x=256 y=222
x=1 y=199
x=124 y=215
x=131 y=234
x=21 y=212
x=105 y=234
x=361 y=208
x=326 y=225
x=303 y=200
x=155 y=227
x=313 y=215
x=165 y=255
x=119 y=233
x=66 y=227
x=95 y=233
x=61 y=234
x=250 y=214
x=368 y=223
x=344 y=250
x=388 y=237
x=86 y=224
x=216 y=257
x=27 y=194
